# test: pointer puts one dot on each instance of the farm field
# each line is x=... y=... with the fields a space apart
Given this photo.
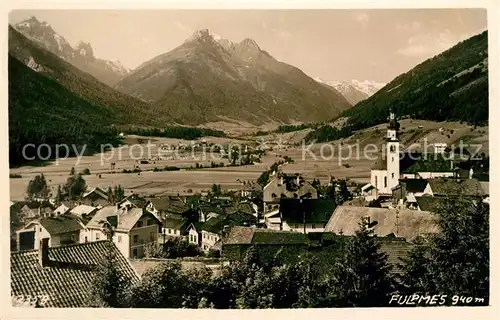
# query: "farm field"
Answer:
x=317 y=163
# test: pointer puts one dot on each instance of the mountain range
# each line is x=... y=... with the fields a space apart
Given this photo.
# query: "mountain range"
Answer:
x=354 y=91
x=81 y=56
x=208 y=78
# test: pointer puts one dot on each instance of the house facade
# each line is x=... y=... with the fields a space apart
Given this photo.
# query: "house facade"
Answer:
x=95 y=197
x=59 y=230
x=133 y=229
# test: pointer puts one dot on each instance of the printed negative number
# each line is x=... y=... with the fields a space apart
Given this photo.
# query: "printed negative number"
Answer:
x=31 y=301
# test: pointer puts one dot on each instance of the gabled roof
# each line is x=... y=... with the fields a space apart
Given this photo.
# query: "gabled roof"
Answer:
x=62 y=209
x=414 y=185
x=289 y=188
x=249 y=235
x=431 y=204
x=126 y=218
x=176 y=223
x=403 y=223
x=169 y=204
x=217 y=224
x=61 y=224
x=98 y=191
x=137 y=201
x=66 y=279
x=449 y=186
x=83 y=209
x=312 y=210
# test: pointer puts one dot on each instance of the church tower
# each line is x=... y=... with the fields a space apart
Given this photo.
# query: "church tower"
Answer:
x=392 y=152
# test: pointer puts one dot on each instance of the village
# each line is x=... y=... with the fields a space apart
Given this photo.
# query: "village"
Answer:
x=281 y=214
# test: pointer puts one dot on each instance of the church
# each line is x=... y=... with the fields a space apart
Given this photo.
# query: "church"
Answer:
x=394 y=165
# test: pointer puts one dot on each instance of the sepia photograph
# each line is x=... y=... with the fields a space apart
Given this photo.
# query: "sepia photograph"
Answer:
x=249 y=158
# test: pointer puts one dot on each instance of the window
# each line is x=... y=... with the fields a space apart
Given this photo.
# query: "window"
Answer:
x=119 y=239
x=392 y=175
x=73 y=237
x=376 y=181
x=191 y=238
x=169 y=231
x=139 y=224
x=296 y=226
x=136 y=238
x=392 y=159
x=151 y=236
x=97 y=236
x=385 y=182
x=134 y=253
x=393 y=148
x=86 y=240
x=313 y=226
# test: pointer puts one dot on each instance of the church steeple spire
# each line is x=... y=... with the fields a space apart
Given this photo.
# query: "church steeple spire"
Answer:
x=393 y=122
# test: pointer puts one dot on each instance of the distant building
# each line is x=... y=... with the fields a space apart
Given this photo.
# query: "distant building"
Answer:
x=60 y=277
x=282 y=186
x=95 y=197
x=301 y=215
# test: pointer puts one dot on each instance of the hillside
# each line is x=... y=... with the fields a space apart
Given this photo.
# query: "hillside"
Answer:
x=81 y=56
x=354 y=91
x=120 y=108
x=210 y=79
x=43 y=111
x=450 y=86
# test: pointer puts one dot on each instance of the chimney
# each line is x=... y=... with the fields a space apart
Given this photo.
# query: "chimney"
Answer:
x=43 y=252
x=471 y=173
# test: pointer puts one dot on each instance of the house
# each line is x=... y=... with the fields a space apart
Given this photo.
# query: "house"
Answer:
x=282 y=186
x=60 y=230
x=304 y=215
x=84 y=212
x=407 y=189
x=35 y=209
x=405 y=223
x=269 y=243
x=62 y=209
x=215 y=228
x=172 y=205
x=133 y=229
x=249 y=187
x=59 y=277
x=174 y=225
x=132 y=201
x=95 y=197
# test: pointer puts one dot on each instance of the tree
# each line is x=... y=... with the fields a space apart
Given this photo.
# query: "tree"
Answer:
x=361 y=277
x=119 y=194
x=455 y=260
x=38 y=187
x=216 y=190
x=72 y=172
x=75 y=186
x=111 y=195
x=59 y=196
x=109 y=286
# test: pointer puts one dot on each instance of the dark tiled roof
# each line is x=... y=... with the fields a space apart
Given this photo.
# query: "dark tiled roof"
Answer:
x=448 y=186
x=282 y=237
x=431 y=204
x=240 y=207
x=216 y=224
x=395 y=249
x=315 y=210
x=175 y=223
x=250 y=235
x=66 y=280
x=169 y=204
x=61 y=224
x=414 y=185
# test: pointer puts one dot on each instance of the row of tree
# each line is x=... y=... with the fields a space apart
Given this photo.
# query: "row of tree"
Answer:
x=452 y=262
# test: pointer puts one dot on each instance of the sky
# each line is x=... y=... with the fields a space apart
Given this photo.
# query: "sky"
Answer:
x=334 y=44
